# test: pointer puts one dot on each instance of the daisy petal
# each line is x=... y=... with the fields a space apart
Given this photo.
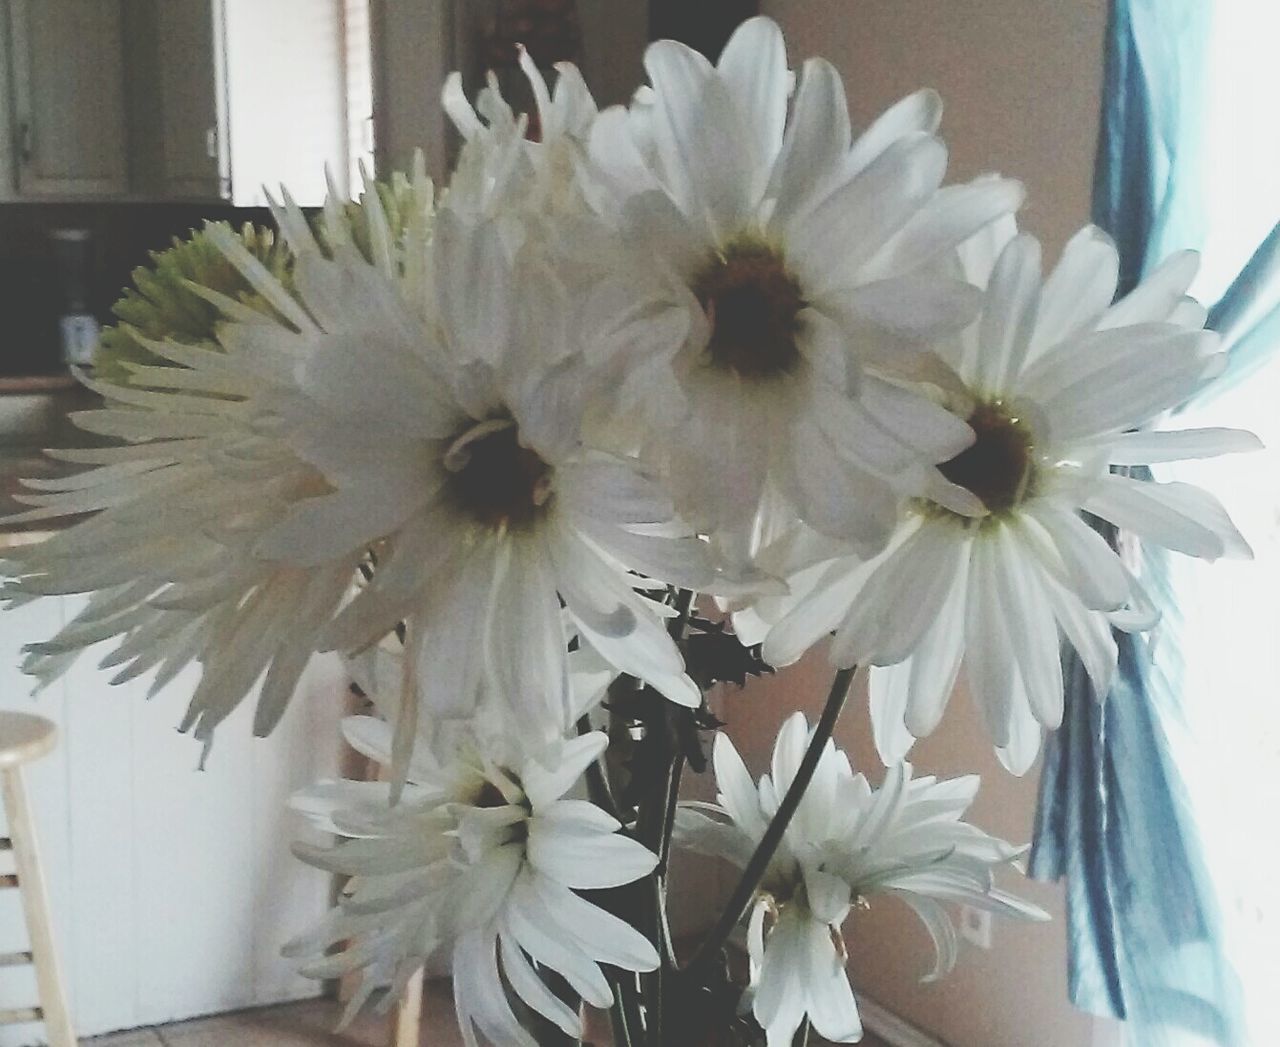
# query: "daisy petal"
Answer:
x=1159 y=295
x=831 y=1004
x=1178 y=516
x=533 y=990
x=918 y=112
x=1149 y=447
x=816 y=141
x=889 y=688
x=1012 y=302
x=753 y=66
x=545 y=785
x=1079 y=290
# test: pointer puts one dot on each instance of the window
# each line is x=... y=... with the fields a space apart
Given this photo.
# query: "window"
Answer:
x=1230 y=611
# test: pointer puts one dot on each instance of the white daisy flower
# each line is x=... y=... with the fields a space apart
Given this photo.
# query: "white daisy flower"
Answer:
x=443 y=411
x=1061 y=386
x=479 y=863
x=846 y=844
x=800 y=267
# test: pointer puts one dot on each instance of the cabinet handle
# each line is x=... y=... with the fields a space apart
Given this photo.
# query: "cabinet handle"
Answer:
x=211 y=143
x=26 y=141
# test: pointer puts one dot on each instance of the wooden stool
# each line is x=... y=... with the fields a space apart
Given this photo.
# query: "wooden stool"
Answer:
x=24 y=738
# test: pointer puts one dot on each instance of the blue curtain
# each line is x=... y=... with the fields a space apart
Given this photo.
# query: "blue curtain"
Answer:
x=1114 y=819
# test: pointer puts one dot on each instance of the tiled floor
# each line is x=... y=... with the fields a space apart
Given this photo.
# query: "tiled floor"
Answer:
x=307 y=1024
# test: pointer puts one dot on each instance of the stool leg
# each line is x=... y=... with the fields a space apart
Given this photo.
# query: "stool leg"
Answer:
x=408 y=1017
x=35 y=904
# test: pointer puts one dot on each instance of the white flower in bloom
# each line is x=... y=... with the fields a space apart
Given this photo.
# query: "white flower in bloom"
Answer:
x=799 y=267
x=479 y=863
x=538 y=175
x=1061 y=385
x=441 y=401
x=198 y=474
x=846 y=844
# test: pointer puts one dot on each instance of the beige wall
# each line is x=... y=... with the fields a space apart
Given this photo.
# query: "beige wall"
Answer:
x=413 y=52
x=1021 y=82
x=1020 y=78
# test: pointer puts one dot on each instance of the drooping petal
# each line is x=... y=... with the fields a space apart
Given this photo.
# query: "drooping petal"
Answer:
x=530 y=925
x=1176 y=515
x=831 y=1005
x=530 y=987
x=1150 y=447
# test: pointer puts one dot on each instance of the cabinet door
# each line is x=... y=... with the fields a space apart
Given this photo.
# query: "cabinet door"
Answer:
x=192 y=84
x=172 y=889
x=68 y=93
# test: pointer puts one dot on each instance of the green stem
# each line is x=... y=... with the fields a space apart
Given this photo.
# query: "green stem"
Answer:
x=654 y=825
x=768 y=846
x=669 y=814
x=624 y=1015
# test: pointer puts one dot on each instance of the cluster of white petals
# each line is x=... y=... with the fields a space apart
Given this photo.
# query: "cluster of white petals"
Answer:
x=1062 y=388
x=478 y=864
x=846 y=844
x=802 y=268
x=488 y=442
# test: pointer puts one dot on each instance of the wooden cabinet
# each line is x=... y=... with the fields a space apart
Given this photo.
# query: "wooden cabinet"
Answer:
x=67 y=106
x=191 y=68
x=197 y=100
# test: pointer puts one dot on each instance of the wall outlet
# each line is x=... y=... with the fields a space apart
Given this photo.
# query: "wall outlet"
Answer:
x=975 y=926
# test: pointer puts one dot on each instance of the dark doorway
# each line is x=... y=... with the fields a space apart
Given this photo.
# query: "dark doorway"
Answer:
x=705 y=25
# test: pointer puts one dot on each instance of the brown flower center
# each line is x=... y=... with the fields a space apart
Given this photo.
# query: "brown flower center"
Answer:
x=999 y=467
x=490 y=796
x=496 y=480
x=754 y=306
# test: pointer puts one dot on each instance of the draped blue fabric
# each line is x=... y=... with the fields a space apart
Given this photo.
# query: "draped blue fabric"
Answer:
x=1114 y=820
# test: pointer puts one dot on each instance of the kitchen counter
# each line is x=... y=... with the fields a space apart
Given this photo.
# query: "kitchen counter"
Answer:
x=35 y=414
x=17 y=385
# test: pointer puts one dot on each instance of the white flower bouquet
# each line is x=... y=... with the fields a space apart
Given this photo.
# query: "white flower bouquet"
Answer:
x=644 y=406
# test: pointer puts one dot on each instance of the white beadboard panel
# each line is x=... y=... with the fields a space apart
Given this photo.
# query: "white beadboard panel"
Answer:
x=289 y=895
x=193 y=861
x=173 y=887
x=46 y=781
x=99 y=954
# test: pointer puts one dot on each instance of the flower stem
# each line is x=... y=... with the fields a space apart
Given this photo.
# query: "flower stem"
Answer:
x=654 y=826
x=624 y=1015
x=764 y=852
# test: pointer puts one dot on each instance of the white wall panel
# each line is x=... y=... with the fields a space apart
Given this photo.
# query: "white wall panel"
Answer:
x=172 y=888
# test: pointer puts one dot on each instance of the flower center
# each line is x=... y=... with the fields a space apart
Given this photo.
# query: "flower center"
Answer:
x=999 y=466
x=754 y=306
x=495 y=479
x=490 y=796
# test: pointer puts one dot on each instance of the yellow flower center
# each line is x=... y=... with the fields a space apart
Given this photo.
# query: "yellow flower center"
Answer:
x=999 y=467
x=753 y=304
x=494 y=478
